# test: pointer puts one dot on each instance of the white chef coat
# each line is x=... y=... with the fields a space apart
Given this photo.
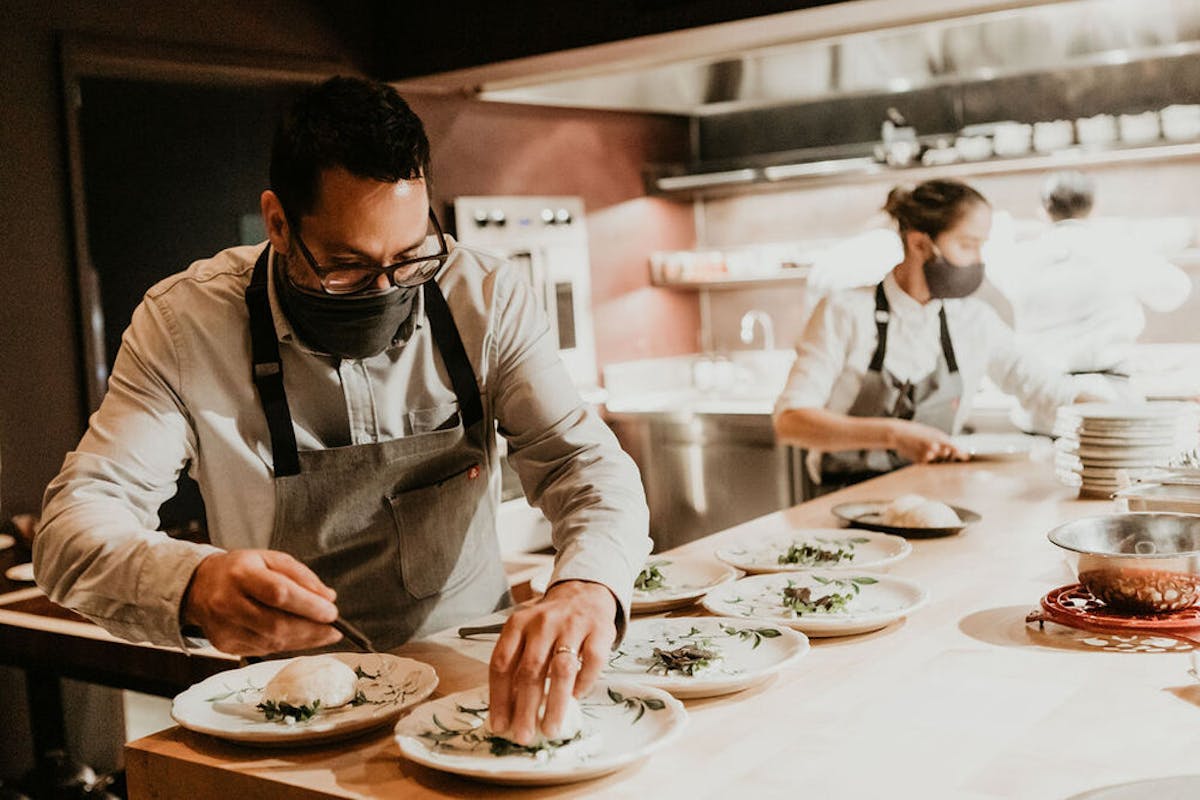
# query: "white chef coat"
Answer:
x=1078 y=292
x=834 y=353
x=181 y=394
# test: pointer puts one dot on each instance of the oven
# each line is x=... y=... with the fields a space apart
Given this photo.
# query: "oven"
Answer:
x=545 y=238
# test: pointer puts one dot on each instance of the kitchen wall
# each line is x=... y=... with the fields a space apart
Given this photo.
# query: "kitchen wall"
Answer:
x=1136 y=191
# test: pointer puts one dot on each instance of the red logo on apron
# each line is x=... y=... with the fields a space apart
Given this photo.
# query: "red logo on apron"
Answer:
x=473 y=472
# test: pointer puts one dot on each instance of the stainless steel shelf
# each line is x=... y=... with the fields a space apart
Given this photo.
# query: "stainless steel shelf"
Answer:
x=860 y=170
x=785 y=278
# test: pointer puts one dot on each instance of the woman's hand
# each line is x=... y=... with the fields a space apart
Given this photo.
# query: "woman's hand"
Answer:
x=922 y=444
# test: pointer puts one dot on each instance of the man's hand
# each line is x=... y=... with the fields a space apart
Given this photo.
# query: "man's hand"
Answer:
x=256 y=602
x=922 y=444
x=567 y=636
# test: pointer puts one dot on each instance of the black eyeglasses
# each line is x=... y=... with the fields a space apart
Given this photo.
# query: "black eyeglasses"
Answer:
x=350 y=277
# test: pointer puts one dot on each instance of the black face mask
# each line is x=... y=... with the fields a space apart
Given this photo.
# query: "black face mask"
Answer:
x=947 y=280
x=346 y=326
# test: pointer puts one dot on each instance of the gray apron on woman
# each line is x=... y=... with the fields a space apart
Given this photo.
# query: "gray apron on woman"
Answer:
x=932 y=401
x=404 y=530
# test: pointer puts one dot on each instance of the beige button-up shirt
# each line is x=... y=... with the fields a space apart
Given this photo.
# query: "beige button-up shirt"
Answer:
x=181 y=396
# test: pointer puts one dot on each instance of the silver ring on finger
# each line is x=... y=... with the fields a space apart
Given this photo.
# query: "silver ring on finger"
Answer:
x=562 y=648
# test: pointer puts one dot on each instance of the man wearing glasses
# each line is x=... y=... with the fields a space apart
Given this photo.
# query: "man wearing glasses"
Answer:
x=336 y=395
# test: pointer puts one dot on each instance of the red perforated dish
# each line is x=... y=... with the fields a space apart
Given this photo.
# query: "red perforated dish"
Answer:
x=1075 y=607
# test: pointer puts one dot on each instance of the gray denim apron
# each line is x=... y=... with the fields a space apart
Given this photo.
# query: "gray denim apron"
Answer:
x=404 y=530
x=932 y=401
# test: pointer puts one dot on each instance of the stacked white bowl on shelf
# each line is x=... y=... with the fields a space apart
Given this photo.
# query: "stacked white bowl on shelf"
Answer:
x=1102 y=447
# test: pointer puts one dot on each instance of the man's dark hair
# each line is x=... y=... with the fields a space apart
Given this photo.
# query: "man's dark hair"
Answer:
x=1068 y=195
x=362 y=126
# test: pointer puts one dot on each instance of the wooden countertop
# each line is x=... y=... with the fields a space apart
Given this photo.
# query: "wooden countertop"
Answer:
x=963 y=700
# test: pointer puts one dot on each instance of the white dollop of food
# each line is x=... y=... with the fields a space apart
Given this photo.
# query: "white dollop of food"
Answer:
x=915 y=511
x=311 y=678
x=572 y=725
x=896 y=512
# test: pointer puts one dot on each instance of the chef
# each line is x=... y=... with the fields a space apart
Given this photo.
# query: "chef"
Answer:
x=335 y=392
x=1081 y=288
x=884 y=375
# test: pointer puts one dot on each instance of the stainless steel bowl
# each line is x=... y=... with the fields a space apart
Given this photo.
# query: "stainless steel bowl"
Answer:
x=1138 y=562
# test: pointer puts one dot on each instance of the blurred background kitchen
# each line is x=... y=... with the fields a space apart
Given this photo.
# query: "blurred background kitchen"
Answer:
x=680 y=181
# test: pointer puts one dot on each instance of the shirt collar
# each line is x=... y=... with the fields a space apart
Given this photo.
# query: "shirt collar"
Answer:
x=902 y=303
x=285 y=333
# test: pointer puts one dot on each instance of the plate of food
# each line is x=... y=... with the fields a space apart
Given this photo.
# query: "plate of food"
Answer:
x=304 y=699
x=996 y=446
x=666 y=582
x=703 y=656
x=615 y=725
x=911 y=516
x=835 y=548
x=819 y=603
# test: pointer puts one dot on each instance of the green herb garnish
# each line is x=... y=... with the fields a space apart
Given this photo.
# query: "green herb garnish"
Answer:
x=687 y=660
x=802 y=600
x=500 y=746
x=814 y=555
x=284 y=711
x=649 y=579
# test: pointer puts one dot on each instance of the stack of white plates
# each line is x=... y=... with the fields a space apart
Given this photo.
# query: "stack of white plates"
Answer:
x=1103 y=446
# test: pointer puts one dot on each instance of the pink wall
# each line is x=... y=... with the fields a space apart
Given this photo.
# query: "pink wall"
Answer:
x=489 y=148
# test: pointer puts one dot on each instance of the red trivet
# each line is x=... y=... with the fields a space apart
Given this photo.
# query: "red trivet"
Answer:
x=1075 y=607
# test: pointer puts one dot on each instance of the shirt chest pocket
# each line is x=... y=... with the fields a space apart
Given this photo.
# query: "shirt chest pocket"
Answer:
x=435 y=418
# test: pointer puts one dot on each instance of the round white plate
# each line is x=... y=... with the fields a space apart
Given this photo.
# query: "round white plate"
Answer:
x=868 y=550
x=20 y=572
x=1130 y=413
x=685 y=580
x=748 y=653
x=877 y=600
x=6 y=541
x=623 y=724
x=996 y=446
x=868 y=515
x=224 y=705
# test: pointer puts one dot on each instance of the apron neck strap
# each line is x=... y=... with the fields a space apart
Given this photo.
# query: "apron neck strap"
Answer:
x=883 y=315
x=454 y=355
x=268 y=371
x=947 y=345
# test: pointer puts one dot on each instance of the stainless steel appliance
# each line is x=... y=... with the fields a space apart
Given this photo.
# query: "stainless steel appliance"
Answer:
x=546 y=239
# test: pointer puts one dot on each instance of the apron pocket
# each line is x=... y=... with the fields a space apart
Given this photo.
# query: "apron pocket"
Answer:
x=434 y=525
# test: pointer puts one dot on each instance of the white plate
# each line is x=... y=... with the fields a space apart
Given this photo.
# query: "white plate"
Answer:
x=996 y=446
x=1131 y=413
x=6 y=541
x=20 y=572
x=224 y=705
x=623 y=724
x=685 y=580
x=749 y=652
x=879 y=600
x=870 y=550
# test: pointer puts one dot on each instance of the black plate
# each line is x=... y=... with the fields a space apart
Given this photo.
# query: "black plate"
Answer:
x=865 y=515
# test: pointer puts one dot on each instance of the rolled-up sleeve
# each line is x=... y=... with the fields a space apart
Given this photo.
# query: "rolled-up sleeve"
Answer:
x=820 y=359
x=569 y=462
x=97 y=550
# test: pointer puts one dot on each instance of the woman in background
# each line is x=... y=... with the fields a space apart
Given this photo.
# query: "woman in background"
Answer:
x=884 y=376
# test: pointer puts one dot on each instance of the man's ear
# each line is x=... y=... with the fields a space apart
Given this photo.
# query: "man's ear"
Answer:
x=275 y=221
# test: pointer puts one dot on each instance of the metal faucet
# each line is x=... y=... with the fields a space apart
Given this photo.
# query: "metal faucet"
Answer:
x=752 y=316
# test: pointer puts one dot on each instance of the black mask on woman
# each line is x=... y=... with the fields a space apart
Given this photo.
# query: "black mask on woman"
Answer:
x=947 y=280
x=346 y=326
